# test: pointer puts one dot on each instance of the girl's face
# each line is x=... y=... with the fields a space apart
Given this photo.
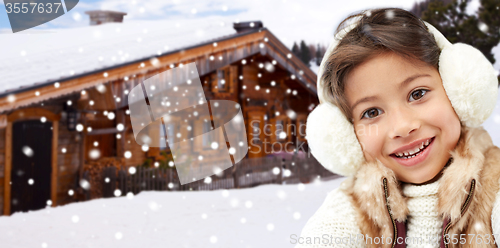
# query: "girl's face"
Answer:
x=400 y=106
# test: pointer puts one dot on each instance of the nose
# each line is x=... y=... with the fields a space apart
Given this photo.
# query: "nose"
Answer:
x=404 y=122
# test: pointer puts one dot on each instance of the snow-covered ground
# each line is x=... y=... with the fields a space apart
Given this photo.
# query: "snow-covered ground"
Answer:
x=260 y=217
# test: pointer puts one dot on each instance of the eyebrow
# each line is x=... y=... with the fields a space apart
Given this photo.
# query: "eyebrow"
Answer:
x=401 y=86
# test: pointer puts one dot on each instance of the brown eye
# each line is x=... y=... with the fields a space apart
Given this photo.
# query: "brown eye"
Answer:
x=418 y=94
x=371 y=113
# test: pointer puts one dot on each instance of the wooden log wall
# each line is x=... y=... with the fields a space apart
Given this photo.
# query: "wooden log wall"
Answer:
x=2 y=168
x=68 y=161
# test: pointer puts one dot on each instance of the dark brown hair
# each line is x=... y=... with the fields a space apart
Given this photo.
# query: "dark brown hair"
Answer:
x=377 y=31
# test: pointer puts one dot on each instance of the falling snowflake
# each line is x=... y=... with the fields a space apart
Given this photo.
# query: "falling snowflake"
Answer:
x=497 y=118
x=75 y=218
x=11 y=98
x=127 y=154
x=296 y=215
x=291 y=114
x=214 y=145
x=79 y=127
x=282 y=135
x=301 y=187
x=248 y=204
x=213 y=239
x=281 y=194
x=270 y=227
x=207 y=180
x=101 y=88
x=234 y=202
x=483 y=27
x=77 y=16
x=118 y=235
x=94 y=153
x=85 y=184
x=154 y=206
x=28 y=151
x=389 y=14
x=130 y=195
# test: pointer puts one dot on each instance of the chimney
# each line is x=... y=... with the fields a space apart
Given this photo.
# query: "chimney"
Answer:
x=98 y=17
x=247 y=26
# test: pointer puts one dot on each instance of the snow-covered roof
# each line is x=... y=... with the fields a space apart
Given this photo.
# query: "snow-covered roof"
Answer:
x=29 y=59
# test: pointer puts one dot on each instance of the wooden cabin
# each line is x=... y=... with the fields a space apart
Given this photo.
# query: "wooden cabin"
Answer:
x=63 y=99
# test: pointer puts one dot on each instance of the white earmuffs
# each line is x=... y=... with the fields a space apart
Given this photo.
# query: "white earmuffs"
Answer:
x=469 y=79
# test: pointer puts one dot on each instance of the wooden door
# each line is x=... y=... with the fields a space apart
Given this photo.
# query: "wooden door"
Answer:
x=31 y=165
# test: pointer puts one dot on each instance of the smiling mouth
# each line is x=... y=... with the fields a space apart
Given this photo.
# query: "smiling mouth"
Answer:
x=403 y=156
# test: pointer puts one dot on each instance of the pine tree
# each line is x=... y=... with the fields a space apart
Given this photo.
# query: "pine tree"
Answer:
x=319 y=55
x=312 y=50
x=489 y=14
x=296 y=49
x=305 y=54
x=451 y=19
x=419 y=7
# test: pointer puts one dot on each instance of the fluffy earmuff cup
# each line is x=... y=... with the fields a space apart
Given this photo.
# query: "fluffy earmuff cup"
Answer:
x=332 y=140
x=470 y=81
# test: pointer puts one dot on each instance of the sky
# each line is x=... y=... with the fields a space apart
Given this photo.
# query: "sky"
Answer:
x=313 y=21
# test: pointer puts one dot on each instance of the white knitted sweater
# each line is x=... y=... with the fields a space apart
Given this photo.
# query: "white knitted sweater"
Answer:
x=336 y=218
x=424 y=222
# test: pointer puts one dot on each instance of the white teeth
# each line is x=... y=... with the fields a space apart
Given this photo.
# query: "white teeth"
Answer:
x=411 y=154
x=416 y=150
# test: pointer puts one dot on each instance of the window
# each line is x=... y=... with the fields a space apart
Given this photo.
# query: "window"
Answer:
x=207 y=137
x=222 y=85
x=256 y=131
x=224 y=79
x=281 y=129
x=170 y=133
x=280 y=134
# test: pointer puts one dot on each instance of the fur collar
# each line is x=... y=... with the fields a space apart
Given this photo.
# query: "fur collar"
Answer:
x=366 y=187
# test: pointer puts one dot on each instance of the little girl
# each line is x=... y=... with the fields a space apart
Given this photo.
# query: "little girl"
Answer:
x=400 y=116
